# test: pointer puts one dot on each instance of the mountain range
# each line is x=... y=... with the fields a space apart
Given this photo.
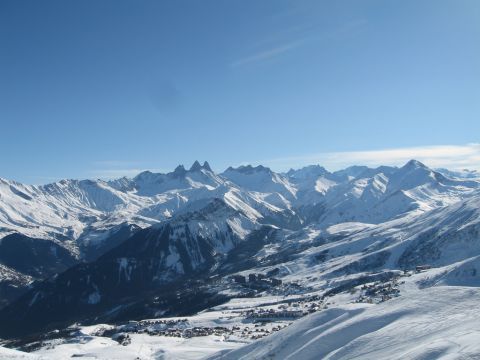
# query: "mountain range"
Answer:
x=93 y=251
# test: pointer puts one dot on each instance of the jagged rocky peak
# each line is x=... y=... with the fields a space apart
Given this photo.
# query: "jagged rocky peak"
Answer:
x=196 y=166
x=206 y=166
x=179 y=171
x=417 y=169
x=414 y=164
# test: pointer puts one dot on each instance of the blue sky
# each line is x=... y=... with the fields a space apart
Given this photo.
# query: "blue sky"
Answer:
x=108 y=88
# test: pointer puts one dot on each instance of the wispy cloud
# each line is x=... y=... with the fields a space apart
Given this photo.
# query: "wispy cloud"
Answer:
x=267 y=54
x=109 y=174
x=114 y=169
x=290 y=38
x=453 y=157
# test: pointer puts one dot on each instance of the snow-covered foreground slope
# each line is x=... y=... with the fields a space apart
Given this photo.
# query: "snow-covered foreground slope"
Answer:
x=15 y=354
x=434 y=323
x=439 y=322
x=142 y=347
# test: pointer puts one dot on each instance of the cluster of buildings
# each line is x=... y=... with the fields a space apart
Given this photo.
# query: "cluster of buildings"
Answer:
x=205 y=331
x=171 y=328
x=257 y=280
x=420 y=268
x=379 y=291
x=273 y=314
x=282 y=312
x=123 y=338
x=258 y=332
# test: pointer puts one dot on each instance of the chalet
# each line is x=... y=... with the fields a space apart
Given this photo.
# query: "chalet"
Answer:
x=272 y=314
x=239 y=279
x=275 y=282
x=419 y=268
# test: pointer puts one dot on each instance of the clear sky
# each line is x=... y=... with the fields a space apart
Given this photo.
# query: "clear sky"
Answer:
x=103 y=88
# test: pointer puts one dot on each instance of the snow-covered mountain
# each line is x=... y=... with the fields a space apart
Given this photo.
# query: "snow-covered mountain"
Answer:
x=460 y=174
x=153 y=259
x=167 y=244
x=89 y=217
x=261 y=179
x=72 y=211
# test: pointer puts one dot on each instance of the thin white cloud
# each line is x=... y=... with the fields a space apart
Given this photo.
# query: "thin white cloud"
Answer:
x=114 y=169
x=454 y=157
x=110 y=174
x=303 y=33
x=266 y=54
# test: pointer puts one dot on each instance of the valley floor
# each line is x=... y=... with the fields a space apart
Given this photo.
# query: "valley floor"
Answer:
x=438 y=322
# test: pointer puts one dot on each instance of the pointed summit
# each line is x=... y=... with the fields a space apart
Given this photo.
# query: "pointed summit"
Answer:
x=195 y=166
x=179 y=171
x=206 y=166
x=414 y=164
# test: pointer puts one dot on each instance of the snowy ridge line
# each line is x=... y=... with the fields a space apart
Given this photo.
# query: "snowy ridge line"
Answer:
x=73 y=210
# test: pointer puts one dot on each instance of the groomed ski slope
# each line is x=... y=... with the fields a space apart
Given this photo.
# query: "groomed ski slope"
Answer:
x=435 y=323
